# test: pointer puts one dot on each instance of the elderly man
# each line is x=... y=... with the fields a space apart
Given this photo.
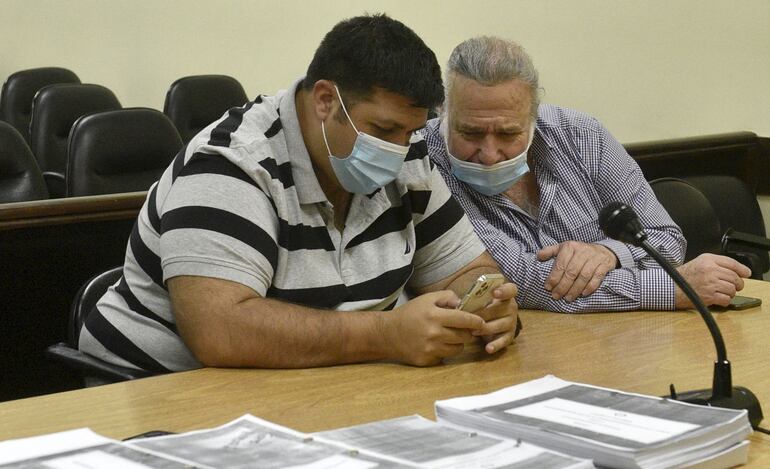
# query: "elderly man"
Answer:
x=285 y=232
x=533 y=178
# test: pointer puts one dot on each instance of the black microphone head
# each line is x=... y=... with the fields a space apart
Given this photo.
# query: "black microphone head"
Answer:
x=620 y=222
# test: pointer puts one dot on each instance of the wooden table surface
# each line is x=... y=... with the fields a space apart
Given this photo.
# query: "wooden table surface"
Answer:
x=638 y=352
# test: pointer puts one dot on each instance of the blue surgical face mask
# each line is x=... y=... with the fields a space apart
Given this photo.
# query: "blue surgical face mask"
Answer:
x=489 y=180
x=372 y=163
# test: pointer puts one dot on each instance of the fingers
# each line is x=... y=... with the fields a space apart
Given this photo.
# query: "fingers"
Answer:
x=559 y=270
x=725 y=262
x=444 y=299
x=576 y=276
x=498 y=309
x=729 y=277
x=548 y=252
x=497 y=326
x=596 y=280
x=505 y=291
x=732 y=264
x=499 y=343
x=720 y=299
x=458 y=319
x=579 y=270
x=588 y=280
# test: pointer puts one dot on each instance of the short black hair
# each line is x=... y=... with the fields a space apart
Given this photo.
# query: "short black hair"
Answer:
x=377 y=51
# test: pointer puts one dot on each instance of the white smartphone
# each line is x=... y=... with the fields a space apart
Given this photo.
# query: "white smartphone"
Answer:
x=480 y=293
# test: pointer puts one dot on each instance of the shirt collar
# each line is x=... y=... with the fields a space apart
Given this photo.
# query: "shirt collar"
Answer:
x=305 y=180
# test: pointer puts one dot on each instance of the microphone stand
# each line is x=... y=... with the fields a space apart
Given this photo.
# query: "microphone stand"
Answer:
x=722 y=393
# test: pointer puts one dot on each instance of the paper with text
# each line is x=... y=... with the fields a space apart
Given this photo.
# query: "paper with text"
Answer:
x=632 y=426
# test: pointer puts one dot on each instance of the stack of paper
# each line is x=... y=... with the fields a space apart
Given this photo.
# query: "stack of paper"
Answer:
x=415 y=441
x=613 y=428
x=248 y=442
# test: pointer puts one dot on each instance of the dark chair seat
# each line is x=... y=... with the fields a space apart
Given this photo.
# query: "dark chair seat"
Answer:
x=67 y=353
x=119 y=151
x=19 y=90
x=20 y=177
x=54 y=111
x=196 y=101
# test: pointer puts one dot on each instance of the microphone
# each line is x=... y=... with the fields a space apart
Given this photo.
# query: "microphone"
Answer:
x=620 y=222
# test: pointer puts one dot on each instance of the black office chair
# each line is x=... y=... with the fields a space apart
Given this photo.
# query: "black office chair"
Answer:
x=89 y=367
x=20 y=177
x=736 y=206
x=19 y=90
x=702 y=229
x=54 y=111
x=692 y=211
x=119 y=151
x=196 y=101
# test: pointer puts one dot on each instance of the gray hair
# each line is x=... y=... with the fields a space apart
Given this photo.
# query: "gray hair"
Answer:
x=491 y=61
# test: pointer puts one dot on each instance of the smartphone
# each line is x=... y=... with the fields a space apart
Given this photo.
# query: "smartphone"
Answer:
x=738 y=303
x=479 y=294
x=743 y=302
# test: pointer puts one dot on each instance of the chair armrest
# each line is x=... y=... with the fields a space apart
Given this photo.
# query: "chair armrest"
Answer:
x=55 y=183
x=92 y=366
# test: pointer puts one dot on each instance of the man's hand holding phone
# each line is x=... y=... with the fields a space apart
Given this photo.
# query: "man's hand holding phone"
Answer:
x=494 y=301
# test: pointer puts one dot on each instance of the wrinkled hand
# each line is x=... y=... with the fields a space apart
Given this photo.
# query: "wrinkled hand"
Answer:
x=716 y=279
x=499 y=317
x=428 y=328
x=578 y=270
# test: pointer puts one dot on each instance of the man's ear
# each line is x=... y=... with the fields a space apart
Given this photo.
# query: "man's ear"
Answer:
x=324 y=95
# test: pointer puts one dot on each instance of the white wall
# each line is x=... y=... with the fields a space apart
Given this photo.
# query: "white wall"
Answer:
x=649 y=69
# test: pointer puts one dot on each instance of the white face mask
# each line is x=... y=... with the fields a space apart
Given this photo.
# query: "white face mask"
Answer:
x=372 y=163
x=489 y=180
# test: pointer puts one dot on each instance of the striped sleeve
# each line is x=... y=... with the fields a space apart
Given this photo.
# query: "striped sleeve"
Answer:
x=216 y=222
x=445 y=239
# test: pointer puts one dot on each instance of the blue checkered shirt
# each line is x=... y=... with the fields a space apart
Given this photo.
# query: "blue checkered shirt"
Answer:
x=579 y=168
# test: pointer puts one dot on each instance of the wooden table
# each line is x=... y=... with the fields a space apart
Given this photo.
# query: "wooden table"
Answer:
x=640 y=352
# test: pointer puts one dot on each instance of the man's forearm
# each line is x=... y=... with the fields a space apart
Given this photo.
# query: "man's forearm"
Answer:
x=267 y=333
x=619 y=290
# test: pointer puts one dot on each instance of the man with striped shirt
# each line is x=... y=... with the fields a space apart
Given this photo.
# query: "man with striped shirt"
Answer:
x=283 y=234
x=533 y=178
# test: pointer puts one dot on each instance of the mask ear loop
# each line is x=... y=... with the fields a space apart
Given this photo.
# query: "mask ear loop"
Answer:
x=345 y=109
x=323 y=128
x=326 y=142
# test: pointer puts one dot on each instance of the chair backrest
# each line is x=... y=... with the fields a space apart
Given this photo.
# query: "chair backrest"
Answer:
x=20 y=177
x=85 y=300
x=692 y=211
x=19 y=90
x=54 y=110
x=119 y=151
x=196 y=101
x=736 y=206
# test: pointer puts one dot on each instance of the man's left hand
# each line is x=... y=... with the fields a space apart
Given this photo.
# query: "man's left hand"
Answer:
x=578 y=270
x=499 y=319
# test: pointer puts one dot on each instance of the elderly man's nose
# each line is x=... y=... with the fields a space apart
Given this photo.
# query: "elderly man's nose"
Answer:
x=490 y=154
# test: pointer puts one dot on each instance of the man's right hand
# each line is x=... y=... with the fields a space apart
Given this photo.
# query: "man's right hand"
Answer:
x=428 y=328
x=716 y=279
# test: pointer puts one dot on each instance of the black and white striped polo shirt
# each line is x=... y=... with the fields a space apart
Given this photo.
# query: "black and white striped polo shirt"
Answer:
x=242 y=203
